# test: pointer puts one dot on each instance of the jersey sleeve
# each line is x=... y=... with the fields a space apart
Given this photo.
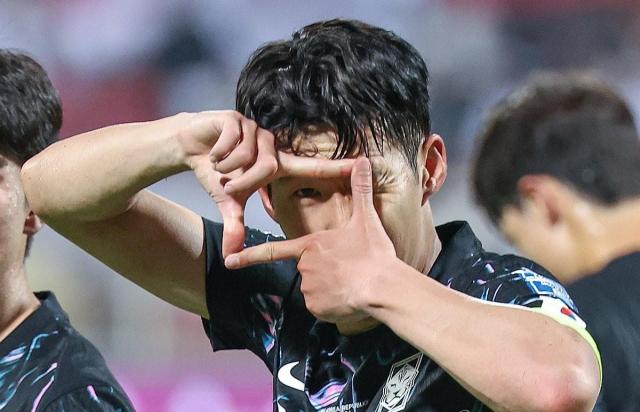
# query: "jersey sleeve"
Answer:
x=244 y=305
x=91 y=399
x=516 y=281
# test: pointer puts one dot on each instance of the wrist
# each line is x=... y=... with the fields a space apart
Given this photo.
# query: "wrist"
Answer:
x=181 y=139
x=382 y=285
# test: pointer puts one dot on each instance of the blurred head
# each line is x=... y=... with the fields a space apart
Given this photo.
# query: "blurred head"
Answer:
x=30 y=118
x=339 y=89
x=554 y=156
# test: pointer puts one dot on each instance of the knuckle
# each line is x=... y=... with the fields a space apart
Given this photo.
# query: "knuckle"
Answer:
x=244 y=156
x=270 y=164
x=314 y=244
x=251 y=124
x=269 y=136
x=235 y=114
x=362 y=188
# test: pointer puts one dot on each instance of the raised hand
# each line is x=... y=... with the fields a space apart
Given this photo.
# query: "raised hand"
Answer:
x=233 y=157
x=336 y=265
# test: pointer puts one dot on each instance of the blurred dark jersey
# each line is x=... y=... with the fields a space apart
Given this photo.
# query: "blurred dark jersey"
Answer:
x=609 y=302
x=46 y=365
x=315 y=368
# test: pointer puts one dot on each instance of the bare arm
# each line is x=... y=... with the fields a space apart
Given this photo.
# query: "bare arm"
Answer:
x=513 y=359
x=90 y=187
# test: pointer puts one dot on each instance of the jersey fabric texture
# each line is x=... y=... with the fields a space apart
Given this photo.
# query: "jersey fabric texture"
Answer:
x=610 y=304
x=47 y=366
x=315 y=368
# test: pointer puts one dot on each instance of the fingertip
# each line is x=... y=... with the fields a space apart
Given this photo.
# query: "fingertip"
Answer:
x=232 y=261
x=363 y=164
x=361 y=172
x=232 y=242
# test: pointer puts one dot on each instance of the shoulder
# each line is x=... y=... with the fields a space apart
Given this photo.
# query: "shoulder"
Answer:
x=82 y=376
x=508 y=279
x=90 y=398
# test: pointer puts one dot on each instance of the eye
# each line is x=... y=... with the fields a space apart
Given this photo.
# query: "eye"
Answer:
x=306 y=192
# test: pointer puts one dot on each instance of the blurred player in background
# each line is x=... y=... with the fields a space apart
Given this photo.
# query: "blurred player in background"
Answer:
x=558 y=171
x=373 y=308
x=45 y=364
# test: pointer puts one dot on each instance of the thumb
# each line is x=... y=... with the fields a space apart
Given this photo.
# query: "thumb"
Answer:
x=362 y=187
x=233 y=234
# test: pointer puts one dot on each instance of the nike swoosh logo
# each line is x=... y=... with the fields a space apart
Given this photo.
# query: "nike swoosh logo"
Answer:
x=286 y=378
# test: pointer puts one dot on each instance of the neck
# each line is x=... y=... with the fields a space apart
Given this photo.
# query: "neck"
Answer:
x=17 y=301
x=609 y=233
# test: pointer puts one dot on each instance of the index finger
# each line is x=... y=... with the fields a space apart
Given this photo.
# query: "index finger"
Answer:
x=267 y=252
x=292 y=165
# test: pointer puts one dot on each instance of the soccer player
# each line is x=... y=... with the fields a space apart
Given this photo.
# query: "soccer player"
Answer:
x=45 y=364
x=558 y=171
x=367 y=306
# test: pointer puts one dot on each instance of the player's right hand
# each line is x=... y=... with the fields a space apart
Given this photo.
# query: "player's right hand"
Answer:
x=233 y=157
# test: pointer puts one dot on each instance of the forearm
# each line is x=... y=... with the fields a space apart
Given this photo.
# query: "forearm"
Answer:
x=512 y=359
x=96 y=175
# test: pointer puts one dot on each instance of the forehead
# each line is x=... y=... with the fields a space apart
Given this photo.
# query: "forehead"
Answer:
x=323 y=142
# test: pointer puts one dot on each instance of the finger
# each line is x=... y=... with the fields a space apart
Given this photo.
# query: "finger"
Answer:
x=263 y=170
x=244 y=153
x=292 y=165
x=267 y=252
x=362 y=187
x=233 y=233
x=228 y=139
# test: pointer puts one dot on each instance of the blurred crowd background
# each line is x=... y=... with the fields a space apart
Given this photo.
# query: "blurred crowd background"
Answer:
x=132 y=60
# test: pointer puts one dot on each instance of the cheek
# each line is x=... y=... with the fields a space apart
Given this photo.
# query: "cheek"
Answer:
x=297 y=219
x=12 y=215
x=9 y=203
x=399 y=216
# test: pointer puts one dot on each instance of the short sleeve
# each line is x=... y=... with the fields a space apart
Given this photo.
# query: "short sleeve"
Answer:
x=244 y=305
x=91 y=399
x=517 y=281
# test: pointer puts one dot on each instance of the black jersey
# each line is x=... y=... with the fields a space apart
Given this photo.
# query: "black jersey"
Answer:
x=610 y=304
x=315 y=368
x=47 y=366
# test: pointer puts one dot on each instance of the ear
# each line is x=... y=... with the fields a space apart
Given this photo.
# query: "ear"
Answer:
x=32 y=224
x=433 y=158
x=540 y=192
x=265 y=196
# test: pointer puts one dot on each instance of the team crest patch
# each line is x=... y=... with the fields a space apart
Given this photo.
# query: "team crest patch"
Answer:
x=543 y=286
x=400 y=382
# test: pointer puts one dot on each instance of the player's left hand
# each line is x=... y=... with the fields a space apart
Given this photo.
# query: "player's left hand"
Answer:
x=337 y=266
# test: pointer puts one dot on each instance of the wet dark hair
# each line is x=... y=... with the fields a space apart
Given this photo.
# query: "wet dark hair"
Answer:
x=30 y=109
x=342 y=75
x=571 y=126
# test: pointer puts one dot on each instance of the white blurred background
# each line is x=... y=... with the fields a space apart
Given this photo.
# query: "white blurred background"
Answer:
x=131 y=60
